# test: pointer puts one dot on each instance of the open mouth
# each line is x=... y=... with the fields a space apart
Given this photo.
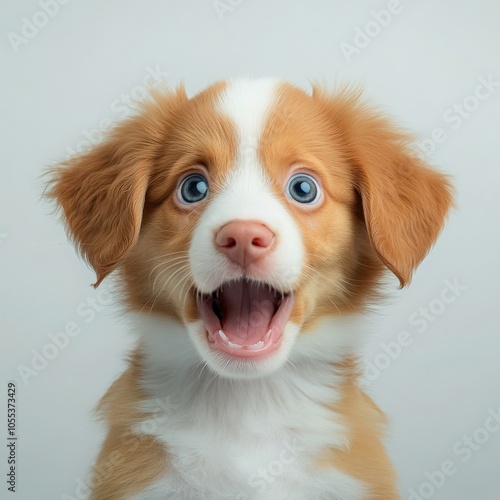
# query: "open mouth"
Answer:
x=245 y=318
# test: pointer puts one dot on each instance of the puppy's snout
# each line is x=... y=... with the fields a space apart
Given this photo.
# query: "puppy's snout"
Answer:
x=244 y=242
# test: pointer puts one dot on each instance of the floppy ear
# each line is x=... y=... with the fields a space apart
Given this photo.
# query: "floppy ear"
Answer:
x=102 y=198
x=102 y=192
x=404 y=201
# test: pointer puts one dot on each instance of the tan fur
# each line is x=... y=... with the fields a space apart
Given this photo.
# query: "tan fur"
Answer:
x=404 y=201
x=342 y=268
x=382 y=208
x=127 y=463
x=365 y=458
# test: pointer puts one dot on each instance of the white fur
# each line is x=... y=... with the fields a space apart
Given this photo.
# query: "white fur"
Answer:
x=221 y=433
x=246 y=195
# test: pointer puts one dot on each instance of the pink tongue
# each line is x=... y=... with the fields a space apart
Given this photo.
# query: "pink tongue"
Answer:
x=247 y=311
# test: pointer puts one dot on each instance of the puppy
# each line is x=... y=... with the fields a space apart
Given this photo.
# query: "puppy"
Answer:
x=249 y=226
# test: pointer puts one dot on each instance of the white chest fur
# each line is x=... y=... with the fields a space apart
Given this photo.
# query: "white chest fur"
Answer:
x=241 y=439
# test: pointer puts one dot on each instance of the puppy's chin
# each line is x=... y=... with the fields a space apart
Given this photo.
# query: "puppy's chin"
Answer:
x=242 y=367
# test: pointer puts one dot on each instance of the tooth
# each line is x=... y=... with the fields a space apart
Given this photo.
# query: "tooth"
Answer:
x=222 y=335
x=255 y=346
x=234 y=346
x=268 y=335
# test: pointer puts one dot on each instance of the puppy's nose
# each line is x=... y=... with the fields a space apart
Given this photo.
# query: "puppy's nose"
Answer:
x=244 y=242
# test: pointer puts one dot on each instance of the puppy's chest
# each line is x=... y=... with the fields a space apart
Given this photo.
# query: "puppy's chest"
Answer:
x=234 y=467
x=232 y=447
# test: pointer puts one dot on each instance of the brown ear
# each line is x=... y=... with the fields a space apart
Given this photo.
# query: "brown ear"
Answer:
x=102 y=192
x=404 y=201
x=102 y=198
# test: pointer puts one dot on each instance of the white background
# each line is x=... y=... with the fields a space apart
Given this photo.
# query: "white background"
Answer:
x=58 y=86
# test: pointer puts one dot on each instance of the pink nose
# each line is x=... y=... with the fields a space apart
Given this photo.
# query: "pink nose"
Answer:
x=244 y=242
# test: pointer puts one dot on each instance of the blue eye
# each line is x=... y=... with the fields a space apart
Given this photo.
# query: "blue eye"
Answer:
x=193 y=188
x=303 y=188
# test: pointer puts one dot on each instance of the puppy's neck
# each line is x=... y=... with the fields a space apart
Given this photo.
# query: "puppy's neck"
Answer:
x=186 y=394
x=321 y=362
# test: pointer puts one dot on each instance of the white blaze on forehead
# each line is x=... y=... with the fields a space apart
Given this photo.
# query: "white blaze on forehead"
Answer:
x=246 y=193
x=247 y=103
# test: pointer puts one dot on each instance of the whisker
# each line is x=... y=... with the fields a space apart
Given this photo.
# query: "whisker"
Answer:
x=160 y=273
x=156 y=295
x=337 y=285
x=176 y=262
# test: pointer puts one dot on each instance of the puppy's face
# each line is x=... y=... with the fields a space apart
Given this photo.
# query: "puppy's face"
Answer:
x=250 y=211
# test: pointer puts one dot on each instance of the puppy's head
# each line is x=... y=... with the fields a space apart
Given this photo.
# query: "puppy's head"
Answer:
x=251 y=210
